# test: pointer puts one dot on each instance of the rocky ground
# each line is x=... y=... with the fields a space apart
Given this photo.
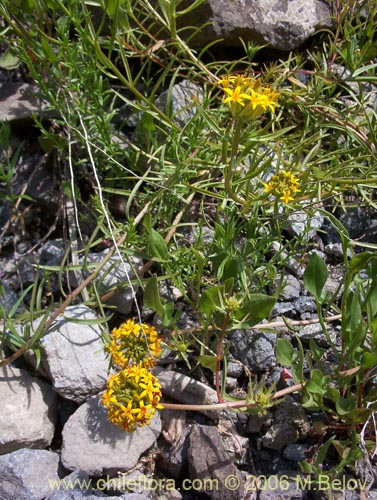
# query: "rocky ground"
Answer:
x=52 y=425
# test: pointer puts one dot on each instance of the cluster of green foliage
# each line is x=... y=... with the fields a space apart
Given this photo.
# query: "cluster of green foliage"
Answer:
x=92 y=58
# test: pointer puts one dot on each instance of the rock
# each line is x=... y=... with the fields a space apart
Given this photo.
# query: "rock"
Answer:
x=28 y=412
x=290 y=424
x=186 y=389
x=116 y=273
x=256 y=423
x=210 y=462
x=73 y=355
x=28 y=474
x=20 y=101
x=290 y=288
x=52 y=252
x=315 y=332
x=280 y=487
x=8 y=297
x=179 y=102
x=173 y=448
x=295 y=452
x=254 y=349
x=41 y=181
x=305 y=304
x=93 y=444
x=281 y=25
x=304 y=223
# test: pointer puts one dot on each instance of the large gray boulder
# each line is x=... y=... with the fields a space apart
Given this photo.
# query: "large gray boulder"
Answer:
x=282 y=24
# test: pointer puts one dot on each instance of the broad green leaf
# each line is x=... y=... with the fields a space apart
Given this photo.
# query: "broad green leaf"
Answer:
x=257 y=308
x=317 y=383
x=157 y=246
x=152 y=296
x=285 y=353
x=315 y=276
x=210 y=301
x=209 y=362
x=369 y=360
x=8 y=61
x=344 y=406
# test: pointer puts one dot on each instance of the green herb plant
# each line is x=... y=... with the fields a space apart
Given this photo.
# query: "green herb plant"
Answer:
x=256 y=143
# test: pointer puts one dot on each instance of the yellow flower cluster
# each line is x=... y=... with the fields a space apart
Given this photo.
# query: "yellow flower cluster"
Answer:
x=131 y=397
x=133 y=394
x=133 y=343
x=247 y=97
x=282 y=185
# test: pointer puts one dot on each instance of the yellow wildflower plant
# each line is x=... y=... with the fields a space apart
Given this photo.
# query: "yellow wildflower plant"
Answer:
x=132 y=397
x=247 y=97
x=134 y=344
x=283 y=186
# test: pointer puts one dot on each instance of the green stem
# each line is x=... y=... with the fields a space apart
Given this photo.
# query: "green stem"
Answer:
x=218 y=357
x=232 y=164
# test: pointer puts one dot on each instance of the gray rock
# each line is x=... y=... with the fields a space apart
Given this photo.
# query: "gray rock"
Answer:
x=8 y=297
x=93 y=444
x=186 y=389
x=256 y=423
x=28 y=413
x=290 y=424
x=295 y=452
x=20 y=101
x=209 y=459
x=179 y=102
x=315 y=332
x=41 y=181
x=73 y=355
x=116 y=273
x=305 y=305
x=280 y=487
x=254 y=349
x=280 y=24
x=52 y=252
x=304 y=223
x=173 y=448
x=290 y=288
x=28 y=474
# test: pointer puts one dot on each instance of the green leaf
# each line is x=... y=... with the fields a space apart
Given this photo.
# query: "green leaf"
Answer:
x=9 y=61
x=209 y=362
x=317 y=383
x=315 y=276
x=152 y=296
x=369 y=360
x=285 y=353
x=258 y=307
x=210 y=301
x=344 y=406
x=157 y=247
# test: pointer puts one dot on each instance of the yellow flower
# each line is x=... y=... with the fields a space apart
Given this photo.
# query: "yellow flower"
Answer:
x=247 y=97
x=282 y=185
x=134 y=344
x=236 y=95
x=132 y=397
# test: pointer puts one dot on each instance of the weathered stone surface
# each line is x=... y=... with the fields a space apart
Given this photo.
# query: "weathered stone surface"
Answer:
x=281 y=24
x=180 y=101
x=290 y=424
x=93 y=444
x=187 y=390
x=28 y=411
x=20 y=100
x=209 y=460
x=28 y=474
x=254 y=349
x=73 y=355
x=116 y=273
